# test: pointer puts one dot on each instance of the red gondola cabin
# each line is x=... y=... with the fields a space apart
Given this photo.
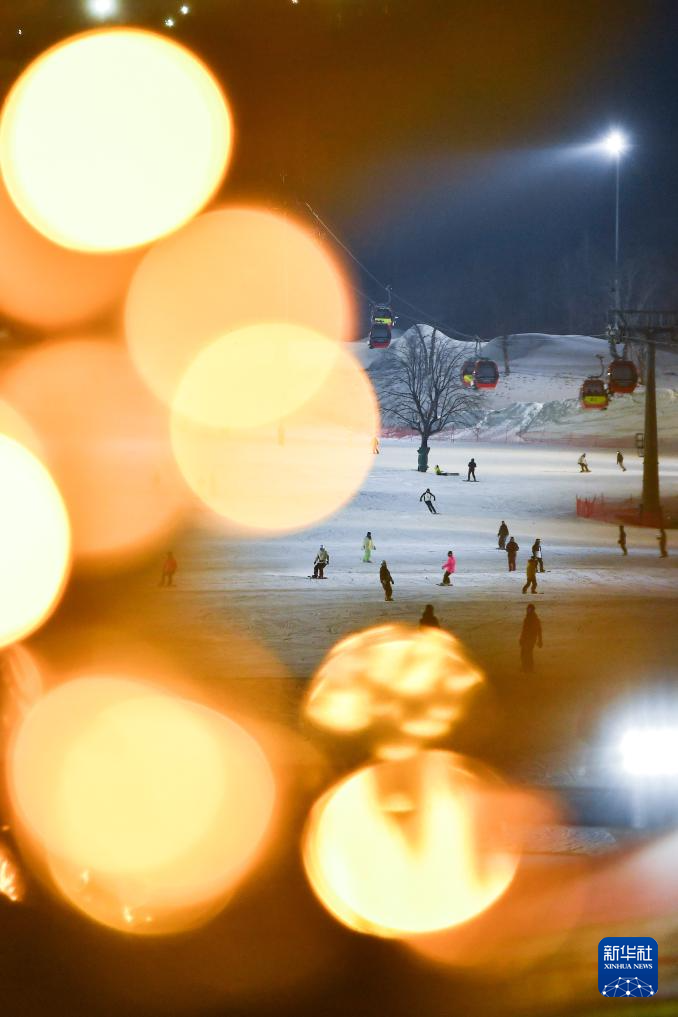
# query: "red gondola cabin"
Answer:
x=622 y=377
x=593 y=394
x=485 y=373
x=380 y=337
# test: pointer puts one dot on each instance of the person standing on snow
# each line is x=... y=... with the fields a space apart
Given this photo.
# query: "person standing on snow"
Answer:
x=531 y=573
x=386 y=580
x=449 y=567
x=620 y=461
x=583 y=465
x=512 y=549
x=368 y=547
x=428 y=498
x=169 y=567
x=529 y=635
x=428 y=618
x=472 y=470
x=622 y=539
x=537 y=553
x=322 y=560
x=502 y=535
x=662 y=543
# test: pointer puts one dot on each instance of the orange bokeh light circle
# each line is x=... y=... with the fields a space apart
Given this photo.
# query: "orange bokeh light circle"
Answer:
x=288 y=474
x=35 y=542
x=228 y=269
x=409 y=847
x=148 y=807
x=101 y=160
x=106 y=441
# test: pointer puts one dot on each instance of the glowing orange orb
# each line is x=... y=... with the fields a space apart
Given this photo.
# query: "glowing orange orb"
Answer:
x=290 y=473
x=35 y=542
x=409 y=847
x=145 y=804
x=227 y=270
x=113 y=138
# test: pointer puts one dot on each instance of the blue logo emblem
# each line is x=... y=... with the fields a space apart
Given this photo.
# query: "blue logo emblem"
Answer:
x=628 y=966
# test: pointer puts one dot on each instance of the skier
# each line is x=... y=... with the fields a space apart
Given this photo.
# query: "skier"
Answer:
x=502 y=535
x=620 y=461
x=512 y=549
x=583 y=465
x=622 y=539
x=428 y=498
x=428 y=618
x=449 y=567
x=661 y=539
x=537 y=553
x=386 y=580
x=529 y=635
x=531 y=573
x=169 y=567
x=375 y=446
x=472 y=469
x=368 y=547
x=322 y=560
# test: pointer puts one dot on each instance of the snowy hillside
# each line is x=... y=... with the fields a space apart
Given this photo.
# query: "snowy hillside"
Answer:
x=538 y=399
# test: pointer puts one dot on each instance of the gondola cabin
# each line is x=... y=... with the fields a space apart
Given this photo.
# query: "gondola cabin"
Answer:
x=380 y=337
x=466 y=373
x=485 y=373
x=593 y=394
x=383 y=315
x=622 y=377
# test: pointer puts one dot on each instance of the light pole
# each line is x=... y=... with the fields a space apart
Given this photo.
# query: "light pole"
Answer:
x=615 y=144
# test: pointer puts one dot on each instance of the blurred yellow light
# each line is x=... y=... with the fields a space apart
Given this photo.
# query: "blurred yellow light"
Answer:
x=408 y=847
x=99 y=159
x=35 y=542
x=288 y=474
x=150 y=808
x=393 y=681
x=255 y=375
x=226 y=270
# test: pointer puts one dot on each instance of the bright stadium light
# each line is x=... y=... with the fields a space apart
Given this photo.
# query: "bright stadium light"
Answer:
x=650 y=751
x=102 y=8
x=615 y=143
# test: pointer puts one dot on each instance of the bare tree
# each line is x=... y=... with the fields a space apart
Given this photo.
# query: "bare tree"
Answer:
x=421 y=387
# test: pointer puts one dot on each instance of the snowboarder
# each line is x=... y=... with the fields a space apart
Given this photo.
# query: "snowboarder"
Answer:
x=386 y=580
x=322 y=560
x=440 y=473
x=512 y=549
x=583 y=465
x=449 y=567
x=537 y=553
x=531 y=573
x=661 y=539
x=529 y=635
x=472 y=470
x=502 y=535
x=428 y=498
x=368 y=546
x=622 y=539
x=620 y=461
x=428 y=618
x=169 y=567
x=375 y=446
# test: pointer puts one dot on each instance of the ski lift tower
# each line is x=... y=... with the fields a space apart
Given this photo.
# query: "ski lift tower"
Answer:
x=654 y=330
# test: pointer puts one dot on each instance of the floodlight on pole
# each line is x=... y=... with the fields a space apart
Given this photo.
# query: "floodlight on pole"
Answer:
x=614 y=144
x=102 y=8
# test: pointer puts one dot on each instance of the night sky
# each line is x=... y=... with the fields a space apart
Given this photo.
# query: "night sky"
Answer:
x=444 y=141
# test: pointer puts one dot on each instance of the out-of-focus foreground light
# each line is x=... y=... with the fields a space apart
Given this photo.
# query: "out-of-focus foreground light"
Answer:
x=155 y=147
x=399 y=686
x=106 y=441
x=48 y=286
x=650 y=751
x=228 y=269
x=35 y=542
x=410 y=847
x=615 y=143
x=288 y=474
x=12 y=882
x=255 y=375
x=149 y=808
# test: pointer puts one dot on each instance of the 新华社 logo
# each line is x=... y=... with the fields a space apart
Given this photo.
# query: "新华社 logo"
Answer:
x=628 y=966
